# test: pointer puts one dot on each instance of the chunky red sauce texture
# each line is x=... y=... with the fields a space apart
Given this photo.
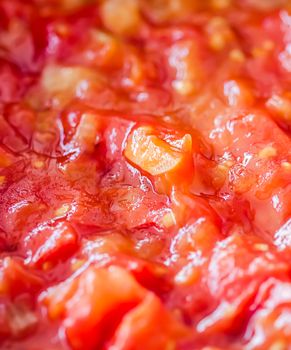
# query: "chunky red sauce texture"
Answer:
x=145 y=175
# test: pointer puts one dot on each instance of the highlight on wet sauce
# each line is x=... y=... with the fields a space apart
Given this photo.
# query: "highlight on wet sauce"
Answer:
x=145 y=174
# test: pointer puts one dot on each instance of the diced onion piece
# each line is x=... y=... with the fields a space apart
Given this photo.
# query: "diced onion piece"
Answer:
x=237 y=55
x=71 y=5
x=103 y=50
x=62 y=210
x=86 y=135
x=241 y=179
x=121 y=16
x=268 y=152
x=67 y=82
x=2 y=180
x=38 y=164
x=286 y=166
x=220 y=4
x=279 y=345
x=220 y=33
x=183 y=58
x=265 y=5
x=188 y=275
x=153 y=154
x=220 y=173
x=280 y=106
x=238 y=93
x=21 y=320
x=164 y=10
x=169 y=219
x=5 y=159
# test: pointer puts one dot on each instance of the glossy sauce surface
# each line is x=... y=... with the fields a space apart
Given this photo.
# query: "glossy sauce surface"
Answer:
x=145 y=174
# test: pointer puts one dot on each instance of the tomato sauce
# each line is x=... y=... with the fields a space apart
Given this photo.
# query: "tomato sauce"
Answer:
x=145 y=174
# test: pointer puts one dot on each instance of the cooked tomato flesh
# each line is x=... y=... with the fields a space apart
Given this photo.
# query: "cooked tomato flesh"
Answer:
x=145 y=174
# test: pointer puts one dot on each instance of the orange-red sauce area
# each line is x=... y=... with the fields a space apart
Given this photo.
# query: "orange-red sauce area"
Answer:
x=145 y=175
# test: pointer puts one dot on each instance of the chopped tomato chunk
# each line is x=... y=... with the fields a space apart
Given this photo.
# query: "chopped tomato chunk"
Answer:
x=16 y=279
x=93 y=304
x=48 y=244
x=163 y=332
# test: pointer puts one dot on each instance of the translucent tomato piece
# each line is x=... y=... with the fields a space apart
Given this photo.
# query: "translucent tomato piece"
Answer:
x=50 y=244
x=110 y=244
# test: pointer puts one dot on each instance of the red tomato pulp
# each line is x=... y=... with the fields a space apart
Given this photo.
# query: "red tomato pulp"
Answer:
x=145 y=174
